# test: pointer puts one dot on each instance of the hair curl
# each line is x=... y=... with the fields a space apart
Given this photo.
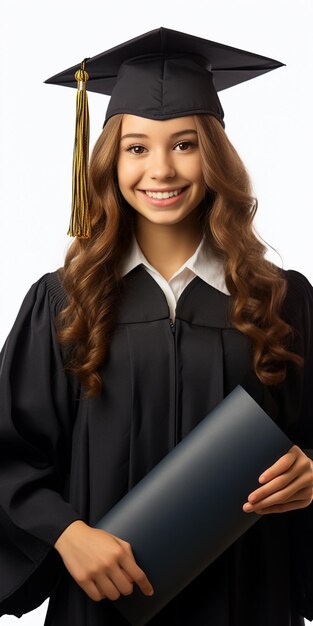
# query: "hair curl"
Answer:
x=257 y=285
x=91 y=273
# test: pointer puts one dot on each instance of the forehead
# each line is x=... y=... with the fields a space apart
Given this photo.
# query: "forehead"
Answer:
x=136 y=124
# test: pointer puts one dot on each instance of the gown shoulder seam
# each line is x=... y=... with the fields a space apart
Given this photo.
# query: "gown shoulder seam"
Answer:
x=56 y=291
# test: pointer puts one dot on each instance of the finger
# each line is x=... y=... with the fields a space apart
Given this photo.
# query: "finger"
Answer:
x=282 y=497
x=130 y=566
x=92 y=591
x=122 y=581
x=280 y=466
x=276 y=485
x=300 y=470
x=142 y=581
x=284 y=508
x=279 y=498
x=106 y=588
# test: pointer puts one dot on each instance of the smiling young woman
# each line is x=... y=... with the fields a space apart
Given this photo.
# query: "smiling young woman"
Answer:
x=217 y=203
x=165 y=304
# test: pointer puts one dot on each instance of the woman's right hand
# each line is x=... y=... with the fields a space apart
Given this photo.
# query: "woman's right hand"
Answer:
x=102 y=565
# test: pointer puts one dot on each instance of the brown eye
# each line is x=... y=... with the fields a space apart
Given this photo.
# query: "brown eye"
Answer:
x=135 y=149
x=184 y=145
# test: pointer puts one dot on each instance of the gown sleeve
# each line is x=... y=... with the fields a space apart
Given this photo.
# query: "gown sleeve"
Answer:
x=298 y=402
x=37 y=411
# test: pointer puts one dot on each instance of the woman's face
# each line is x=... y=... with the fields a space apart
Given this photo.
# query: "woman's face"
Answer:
x=159 y=168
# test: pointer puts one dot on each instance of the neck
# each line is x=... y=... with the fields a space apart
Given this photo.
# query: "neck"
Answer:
x=167 y=247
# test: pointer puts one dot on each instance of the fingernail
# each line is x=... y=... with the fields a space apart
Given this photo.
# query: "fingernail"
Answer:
x=247 y=507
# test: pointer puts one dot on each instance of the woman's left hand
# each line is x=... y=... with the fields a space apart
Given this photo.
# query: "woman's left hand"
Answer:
x=286 y=485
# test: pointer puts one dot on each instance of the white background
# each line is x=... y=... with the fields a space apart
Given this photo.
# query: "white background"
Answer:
x=269 y=120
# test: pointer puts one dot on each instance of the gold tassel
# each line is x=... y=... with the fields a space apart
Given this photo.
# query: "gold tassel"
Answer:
x=80 y=218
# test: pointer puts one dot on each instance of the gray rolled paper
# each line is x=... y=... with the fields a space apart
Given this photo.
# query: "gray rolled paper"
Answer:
x=188 y=509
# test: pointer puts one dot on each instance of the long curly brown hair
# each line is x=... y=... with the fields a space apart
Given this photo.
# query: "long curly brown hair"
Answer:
x=91 y=274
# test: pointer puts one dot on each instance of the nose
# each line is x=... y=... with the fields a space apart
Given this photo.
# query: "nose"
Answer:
x=161 y=166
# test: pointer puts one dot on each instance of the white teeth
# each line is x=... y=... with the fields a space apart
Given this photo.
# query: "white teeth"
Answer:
x=159 y=195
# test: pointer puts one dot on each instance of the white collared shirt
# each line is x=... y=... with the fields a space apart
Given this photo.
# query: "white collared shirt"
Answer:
x=202 y=263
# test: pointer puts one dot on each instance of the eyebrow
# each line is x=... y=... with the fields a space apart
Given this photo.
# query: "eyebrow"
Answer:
x=179 y=132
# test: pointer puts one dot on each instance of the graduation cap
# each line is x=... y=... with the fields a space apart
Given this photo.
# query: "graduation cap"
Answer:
x=159 y=75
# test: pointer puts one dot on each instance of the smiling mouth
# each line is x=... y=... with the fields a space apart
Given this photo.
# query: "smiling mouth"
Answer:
x=164 y=195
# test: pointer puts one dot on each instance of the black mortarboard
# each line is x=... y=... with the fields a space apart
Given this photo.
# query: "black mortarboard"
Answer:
x=160 y=75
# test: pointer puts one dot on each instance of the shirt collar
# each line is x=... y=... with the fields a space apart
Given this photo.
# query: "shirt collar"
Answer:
x=203 y=263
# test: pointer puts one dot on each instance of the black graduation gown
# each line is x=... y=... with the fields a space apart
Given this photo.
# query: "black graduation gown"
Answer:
x=64 y=457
